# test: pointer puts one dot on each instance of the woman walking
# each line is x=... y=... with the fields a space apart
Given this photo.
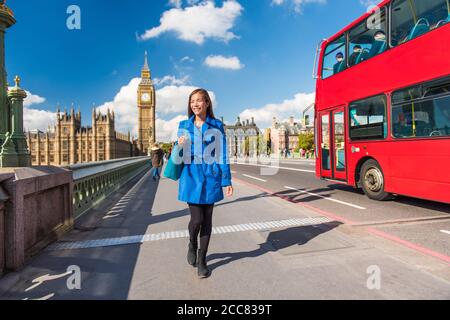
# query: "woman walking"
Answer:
x=157 y=155
x=202 y=179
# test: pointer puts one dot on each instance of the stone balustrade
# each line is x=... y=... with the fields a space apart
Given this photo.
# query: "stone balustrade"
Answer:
x=93 y=182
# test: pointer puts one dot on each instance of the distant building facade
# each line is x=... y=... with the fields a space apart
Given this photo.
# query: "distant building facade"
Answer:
x=285 y=135
x=69 y=143
x=242 y=138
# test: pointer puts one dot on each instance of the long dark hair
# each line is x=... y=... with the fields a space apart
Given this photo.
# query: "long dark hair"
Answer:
x=209 y=111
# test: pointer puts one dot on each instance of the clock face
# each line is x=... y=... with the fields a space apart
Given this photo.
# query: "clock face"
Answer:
x=145 y=97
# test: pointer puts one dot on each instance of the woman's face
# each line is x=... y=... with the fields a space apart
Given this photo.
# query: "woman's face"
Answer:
x=199 y=106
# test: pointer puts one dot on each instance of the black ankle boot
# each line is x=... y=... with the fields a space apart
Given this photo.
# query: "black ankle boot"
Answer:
x=203 y=271
x=192 y=254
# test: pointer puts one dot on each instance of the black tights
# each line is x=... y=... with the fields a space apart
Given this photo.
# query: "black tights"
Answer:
x=201 y=222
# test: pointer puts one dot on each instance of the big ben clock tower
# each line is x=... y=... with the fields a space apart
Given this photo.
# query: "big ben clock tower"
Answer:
x=146 y=107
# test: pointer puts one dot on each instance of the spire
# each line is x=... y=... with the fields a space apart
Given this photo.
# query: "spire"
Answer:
x=145 y=72
x=145 y=67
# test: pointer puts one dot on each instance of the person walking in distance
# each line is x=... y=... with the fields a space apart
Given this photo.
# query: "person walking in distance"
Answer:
x=157 y=155
x=205 y=173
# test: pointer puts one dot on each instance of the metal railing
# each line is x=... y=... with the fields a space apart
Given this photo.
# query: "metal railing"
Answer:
x=95 y=181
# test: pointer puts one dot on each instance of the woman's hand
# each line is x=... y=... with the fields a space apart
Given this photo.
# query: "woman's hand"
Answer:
x=230 y=191
x=181 y=140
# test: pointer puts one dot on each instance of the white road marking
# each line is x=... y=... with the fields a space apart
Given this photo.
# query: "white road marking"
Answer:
x=246 y=175
x=185 y=234
x=47 y=297
x=40 y=280
x=119 y=206
x=329 y=199
x=233 y=172
x=114 y=211
x=275 y=167
x=445 y=231
x=111 y=216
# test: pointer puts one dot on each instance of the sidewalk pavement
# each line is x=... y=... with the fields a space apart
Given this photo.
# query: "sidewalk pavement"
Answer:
x=267 y=248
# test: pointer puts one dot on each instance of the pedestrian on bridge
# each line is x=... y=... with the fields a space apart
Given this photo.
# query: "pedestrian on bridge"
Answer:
x=204 y=174
x=157 y=155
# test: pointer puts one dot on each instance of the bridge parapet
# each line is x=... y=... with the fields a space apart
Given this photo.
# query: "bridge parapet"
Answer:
x=3 y=198
x=38 y=205
x=93 y=182
x=36 y=211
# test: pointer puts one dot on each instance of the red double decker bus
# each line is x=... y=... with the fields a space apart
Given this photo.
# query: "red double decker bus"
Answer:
x=383 y=102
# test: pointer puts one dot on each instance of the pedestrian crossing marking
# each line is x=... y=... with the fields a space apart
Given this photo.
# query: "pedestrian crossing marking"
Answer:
x=185 y=234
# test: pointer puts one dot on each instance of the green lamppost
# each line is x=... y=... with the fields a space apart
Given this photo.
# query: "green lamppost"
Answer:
x=13 y=144
x=14 y=152
x=6 y=21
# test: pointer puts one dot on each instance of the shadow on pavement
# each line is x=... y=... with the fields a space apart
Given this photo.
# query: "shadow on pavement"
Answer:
x=291 y=194
x=276 y=241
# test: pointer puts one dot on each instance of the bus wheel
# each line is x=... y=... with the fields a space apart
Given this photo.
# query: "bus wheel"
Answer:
x=372 y=181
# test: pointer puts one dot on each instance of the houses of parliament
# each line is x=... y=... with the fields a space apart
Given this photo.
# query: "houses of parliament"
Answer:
x=70 y=143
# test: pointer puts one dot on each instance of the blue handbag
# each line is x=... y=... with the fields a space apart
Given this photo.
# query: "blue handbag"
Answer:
x=174 y=168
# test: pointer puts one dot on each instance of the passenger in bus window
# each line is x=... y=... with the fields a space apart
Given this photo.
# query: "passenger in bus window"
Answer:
x=339 y=66
x=354 y=56
x=379 y=44
x=355 y=122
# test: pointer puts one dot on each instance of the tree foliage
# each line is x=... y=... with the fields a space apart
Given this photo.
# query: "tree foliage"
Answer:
x=306 y=141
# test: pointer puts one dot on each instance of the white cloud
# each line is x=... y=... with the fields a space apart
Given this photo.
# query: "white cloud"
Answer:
x=166 y=131
x=298 y=4
x=175 y=3
x=369 y=4
x=174 y=99
x=171 y=80
x=232 y=63
x=198 y=22
x=282 y=111
x=170 y=101
x=32 y=99
x=35 y=119
x=187 y=59
x=125 y=108
x=178 y=3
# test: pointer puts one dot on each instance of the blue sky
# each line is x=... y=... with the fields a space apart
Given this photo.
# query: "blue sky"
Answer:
x=255 y=56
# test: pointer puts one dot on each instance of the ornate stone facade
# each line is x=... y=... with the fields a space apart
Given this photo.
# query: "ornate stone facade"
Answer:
x=69 y=143
x=242 y=139
x=285 y=135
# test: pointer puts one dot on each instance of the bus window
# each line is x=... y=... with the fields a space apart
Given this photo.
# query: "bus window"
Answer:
x=426 y=116
x=326 y=146
x=334 y=58
x=339 y=141
x=368 y=119
x=412 y=18
x=368 y=39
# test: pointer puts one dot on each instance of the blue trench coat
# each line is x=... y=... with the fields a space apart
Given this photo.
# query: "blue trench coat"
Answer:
x=204 y=173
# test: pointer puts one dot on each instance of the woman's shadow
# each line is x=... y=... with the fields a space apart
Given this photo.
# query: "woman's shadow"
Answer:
x=276 y=241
